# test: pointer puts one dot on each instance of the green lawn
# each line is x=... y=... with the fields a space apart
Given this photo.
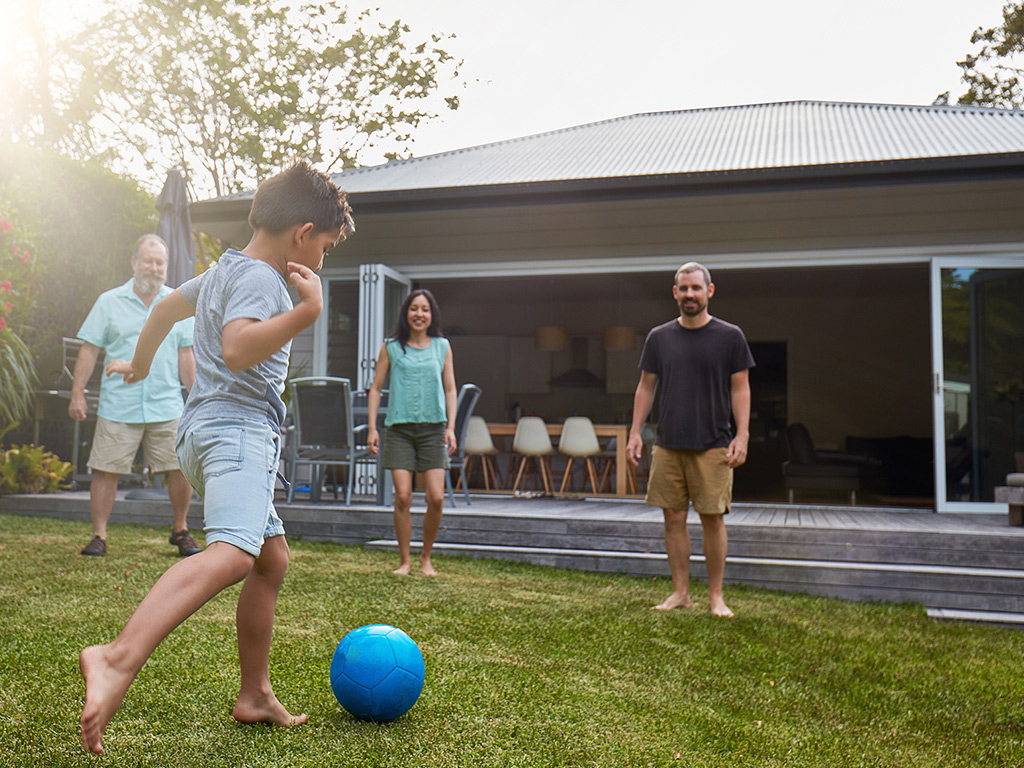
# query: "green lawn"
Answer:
x=526 y=666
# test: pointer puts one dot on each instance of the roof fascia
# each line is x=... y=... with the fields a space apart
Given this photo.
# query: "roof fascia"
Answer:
x=917 y=171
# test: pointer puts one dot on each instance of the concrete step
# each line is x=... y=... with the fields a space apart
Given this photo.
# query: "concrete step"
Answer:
x=947 y=587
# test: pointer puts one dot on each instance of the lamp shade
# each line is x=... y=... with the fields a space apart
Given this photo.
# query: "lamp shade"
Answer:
x=619 y=337
x=550 y=338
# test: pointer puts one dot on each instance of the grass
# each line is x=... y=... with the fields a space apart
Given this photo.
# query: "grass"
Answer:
x=526 y=666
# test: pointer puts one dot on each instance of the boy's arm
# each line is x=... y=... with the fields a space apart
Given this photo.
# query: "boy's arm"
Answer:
x=246 y=342
x=165 y=314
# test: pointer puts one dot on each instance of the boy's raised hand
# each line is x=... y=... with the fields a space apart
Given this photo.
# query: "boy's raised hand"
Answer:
x=126 y=369
x=307 y=284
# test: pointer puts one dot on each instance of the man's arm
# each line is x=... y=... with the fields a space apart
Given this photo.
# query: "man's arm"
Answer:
x=643 y=401
x=740 y=384
x=84 y=365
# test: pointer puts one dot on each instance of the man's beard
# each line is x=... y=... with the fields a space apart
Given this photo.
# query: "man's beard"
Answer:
x=148 y=285
x=691 y=309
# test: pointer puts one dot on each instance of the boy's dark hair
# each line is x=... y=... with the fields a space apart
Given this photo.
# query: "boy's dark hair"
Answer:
x=402 y=330
x=297 y=195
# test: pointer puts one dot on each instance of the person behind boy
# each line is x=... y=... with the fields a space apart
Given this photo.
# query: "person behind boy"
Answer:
x=229 y=439
x=128 y=416
x=702 y=364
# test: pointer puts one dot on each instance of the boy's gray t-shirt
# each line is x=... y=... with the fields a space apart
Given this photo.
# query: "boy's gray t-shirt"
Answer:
x=237 y=287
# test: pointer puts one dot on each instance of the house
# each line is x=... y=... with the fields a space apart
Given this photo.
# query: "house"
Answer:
x=873 y=255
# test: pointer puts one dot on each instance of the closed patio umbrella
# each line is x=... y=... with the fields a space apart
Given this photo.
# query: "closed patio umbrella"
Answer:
x=175 y=227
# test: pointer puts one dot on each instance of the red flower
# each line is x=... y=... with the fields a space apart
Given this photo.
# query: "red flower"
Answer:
x=8 y=306
x=5 y=286
x=3 y=323
x=25 y=256
x=5 y=225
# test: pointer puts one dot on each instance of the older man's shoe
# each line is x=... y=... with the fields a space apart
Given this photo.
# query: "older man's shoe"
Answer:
x=185 y=543
x=95 y=548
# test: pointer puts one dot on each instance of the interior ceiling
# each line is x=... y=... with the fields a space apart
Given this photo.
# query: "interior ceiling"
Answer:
x=899 y=280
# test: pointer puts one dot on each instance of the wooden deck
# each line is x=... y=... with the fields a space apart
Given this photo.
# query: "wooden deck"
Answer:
x=959 y=566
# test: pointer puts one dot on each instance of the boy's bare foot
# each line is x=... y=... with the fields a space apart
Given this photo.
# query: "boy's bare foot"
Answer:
x=105 y=688
x=266 y=710
x=403 y=570
x=672 y=602
x=427 y=567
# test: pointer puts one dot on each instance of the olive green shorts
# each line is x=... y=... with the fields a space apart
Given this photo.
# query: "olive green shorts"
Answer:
x=679 y=477
x=415 y=447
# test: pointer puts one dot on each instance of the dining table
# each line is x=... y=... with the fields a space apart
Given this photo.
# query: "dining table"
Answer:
x=619 y=431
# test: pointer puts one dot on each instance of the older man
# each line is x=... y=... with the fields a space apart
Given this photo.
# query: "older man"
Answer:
x=145 y=413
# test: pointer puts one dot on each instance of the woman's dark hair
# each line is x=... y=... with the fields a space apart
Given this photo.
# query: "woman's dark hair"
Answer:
x=402 y=331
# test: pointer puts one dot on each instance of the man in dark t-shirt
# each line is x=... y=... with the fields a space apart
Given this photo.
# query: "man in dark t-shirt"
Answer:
x=702 y=364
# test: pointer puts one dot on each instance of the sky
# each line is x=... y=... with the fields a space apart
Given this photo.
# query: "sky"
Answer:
x=533 y=66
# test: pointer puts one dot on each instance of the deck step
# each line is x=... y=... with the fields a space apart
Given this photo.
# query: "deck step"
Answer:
x=956 y=589
x=985 y=617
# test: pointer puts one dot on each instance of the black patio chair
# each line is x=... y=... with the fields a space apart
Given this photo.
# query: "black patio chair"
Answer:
x=468 y=396
x=323 y=433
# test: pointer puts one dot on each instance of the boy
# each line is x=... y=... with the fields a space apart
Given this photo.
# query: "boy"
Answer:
x=229 y=439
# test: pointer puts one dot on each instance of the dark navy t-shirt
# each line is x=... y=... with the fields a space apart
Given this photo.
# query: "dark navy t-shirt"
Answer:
x=694 y=369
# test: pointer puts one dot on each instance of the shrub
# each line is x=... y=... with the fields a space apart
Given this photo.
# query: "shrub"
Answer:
x=32 y=469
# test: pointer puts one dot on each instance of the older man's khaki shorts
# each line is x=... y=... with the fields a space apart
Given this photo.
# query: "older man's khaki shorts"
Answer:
x=679 y=477
x=115 y=444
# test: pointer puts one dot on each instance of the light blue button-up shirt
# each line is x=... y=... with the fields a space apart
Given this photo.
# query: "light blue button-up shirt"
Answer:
x=114 y=323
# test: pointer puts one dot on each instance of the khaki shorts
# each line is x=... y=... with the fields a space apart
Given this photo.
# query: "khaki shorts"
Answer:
x=679 y=477
x=115 y=444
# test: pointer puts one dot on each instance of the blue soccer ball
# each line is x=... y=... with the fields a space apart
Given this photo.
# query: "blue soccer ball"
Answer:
x=377 y=672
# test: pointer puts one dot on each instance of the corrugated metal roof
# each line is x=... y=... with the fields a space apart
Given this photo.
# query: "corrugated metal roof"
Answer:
x=717 y=140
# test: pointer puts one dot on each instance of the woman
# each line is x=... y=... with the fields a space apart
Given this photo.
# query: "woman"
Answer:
x=421 y=417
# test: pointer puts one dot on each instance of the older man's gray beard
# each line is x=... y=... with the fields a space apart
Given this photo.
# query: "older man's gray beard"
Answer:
x=147 y=286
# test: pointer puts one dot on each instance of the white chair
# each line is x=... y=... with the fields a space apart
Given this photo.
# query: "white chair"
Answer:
x=579 y=441
x=531 y=441
x=480 y=445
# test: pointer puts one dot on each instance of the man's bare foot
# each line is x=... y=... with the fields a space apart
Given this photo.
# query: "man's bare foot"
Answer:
x=719 y=608
x=427 y=567
x=266 y=710
x=105 y=688
x=672 y=602
x=403 y=570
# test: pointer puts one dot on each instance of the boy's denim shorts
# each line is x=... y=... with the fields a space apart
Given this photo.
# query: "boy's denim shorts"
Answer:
x=232 y=464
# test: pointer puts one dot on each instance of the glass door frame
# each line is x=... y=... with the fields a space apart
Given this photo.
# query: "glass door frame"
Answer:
x=939 y=263
x=373 y=284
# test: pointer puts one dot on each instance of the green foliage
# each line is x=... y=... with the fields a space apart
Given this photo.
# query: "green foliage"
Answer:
x=32 y=469
x=17 y=366
x=229 y=91
x=78 y=222
x=993 y=72
x=526 y=666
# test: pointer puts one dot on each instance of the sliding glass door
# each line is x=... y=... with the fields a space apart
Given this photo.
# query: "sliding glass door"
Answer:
x=978 y=349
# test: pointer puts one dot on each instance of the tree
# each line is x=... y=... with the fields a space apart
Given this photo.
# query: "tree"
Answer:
x=230 y=90
x=72 y=229
x=993 y=73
